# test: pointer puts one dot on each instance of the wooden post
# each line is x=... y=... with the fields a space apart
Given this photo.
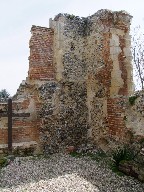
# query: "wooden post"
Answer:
x=10 y=115
x=10 y=125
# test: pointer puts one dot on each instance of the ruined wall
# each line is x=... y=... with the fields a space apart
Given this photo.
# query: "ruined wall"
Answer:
x=65 y=114
x=110 y=74
x=134 y=115
x=26 y=129
x=78 y=81
x=93 y=70
x=41 y=54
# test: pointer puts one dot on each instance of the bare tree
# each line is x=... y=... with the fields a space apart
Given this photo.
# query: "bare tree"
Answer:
x=138 y=57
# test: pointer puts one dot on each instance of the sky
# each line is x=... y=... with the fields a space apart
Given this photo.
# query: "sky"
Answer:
x=17 y=17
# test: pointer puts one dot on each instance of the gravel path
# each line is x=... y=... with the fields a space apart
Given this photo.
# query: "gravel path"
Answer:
x=63 y=173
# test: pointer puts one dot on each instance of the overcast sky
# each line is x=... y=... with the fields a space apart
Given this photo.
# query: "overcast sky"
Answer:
x=17 y=17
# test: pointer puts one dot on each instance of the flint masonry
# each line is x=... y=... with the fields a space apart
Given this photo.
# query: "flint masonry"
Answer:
x=79 y=79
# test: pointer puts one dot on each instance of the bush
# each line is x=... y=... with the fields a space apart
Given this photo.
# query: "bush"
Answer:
x=132 y=99
x=3 y=161
x=124 y=153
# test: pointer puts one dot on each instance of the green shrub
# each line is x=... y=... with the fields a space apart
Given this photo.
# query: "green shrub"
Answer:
x=3 y=161
x=115 y=169
x=124 y=153
x=76 y=154
x=132 y=99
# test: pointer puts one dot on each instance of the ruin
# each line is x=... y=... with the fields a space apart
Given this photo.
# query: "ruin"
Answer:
x=78 y=84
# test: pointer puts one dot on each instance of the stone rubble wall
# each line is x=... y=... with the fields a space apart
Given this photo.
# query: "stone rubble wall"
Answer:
x=134 y=115
x=64 y=116
x=90 y=55
x=79 y=79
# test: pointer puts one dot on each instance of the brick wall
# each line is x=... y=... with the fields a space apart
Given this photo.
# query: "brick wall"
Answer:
x=41 y=54
x=26 y=129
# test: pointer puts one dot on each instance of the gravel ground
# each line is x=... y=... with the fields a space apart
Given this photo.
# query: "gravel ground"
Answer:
x=63 y=173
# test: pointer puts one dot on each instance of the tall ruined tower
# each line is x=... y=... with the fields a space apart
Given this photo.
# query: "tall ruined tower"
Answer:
x=79 y=77
x=93 y=74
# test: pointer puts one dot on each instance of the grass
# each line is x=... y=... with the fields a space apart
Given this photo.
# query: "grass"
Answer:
x=100 y=156
x=94 y=156
x=76 y=154
x=124 y=153
x=116 y=170
x=113 y=160
x=120 y=154
x=3 y=162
